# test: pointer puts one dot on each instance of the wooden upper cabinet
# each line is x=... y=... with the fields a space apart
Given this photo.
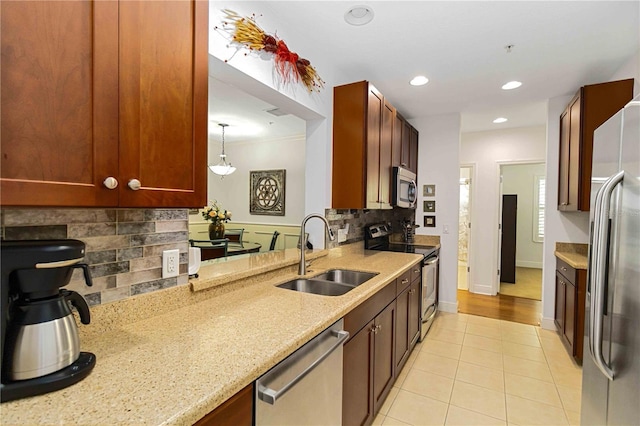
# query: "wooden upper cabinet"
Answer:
x=98 y=89
x=413 y=149
x=386 y=146
x=59 y=103
x=363 y=147
x=396 y=141
x=163 y=102
x=363 y=129
x=590 y=107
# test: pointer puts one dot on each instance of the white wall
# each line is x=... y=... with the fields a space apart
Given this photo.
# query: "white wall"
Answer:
x=438 y=163
x=488 y=150
x=232 y=192
x=520 y=179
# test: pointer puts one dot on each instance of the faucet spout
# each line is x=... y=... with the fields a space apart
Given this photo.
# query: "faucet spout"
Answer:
x=302 y=268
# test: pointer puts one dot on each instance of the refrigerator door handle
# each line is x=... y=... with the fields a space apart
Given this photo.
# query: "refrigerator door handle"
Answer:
x=598 y=273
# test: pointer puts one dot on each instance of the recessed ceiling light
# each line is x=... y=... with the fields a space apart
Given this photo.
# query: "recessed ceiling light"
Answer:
x=511 y=85
x=499 y=120
x=359 y=15
x=419 y=80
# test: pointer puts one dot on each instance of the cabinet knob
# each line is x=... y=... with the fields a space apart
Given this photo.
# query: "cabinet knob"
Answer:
x=134 y=184
x=564 y=269
x=110 y=182
x=416 y=271
x=405 y=281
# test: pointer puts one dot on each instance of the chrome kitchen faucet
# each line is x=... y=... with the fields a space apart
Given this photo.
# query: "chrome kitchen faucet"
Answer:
x=302 y=269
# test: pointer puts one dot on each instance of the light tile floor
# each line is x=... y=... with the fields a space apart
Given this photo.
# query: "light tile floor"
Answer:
x=473 y=370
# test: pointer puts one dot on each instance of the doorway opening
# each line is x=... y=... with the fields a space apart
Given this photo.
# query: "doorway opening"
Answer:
x=521 y=228
x=464 y=227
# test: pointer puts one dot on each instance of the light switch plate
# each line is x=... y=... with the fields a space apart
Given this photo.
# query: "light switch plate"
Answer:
x=170 y=263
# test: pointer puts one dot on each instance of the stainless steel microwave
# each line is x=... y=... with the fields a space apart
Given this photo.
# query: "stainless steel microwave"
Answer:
x=404 y=188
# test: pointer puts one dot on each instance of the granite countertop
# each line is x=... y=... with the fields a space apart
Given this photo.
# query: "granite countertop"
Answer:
x=576 y=255
x=177 y=365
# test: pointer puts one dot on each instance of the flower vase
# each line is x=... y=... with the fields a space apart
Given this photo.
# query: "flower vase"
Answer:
x=216 y=231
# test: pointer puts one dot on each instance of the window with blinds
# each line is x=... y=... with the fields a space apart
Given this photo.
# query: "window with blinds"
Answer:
x=538 y=209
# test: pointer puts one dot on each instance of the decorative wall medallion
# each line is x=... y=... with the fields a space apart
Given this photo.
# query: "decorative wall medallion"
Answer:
x=267 y=192
x=429 y=206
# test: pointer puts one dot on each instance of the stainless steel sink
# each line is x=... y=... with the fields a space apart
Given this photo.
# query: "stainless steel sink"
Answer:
x=334 y=282
x=345 y=276
x=316 y=286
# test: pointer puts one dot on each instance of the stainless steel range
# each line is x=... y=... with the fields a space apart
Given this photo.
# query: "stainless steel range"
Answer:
x=376 y=237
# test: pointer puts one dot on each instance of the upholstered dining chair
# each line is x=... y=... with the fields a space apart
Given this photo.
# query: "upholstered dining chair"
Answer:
x=211 y=249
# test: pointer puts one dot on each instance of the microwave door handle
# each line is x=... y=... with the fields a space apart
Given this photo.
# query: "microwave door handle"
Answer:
x=412 y=194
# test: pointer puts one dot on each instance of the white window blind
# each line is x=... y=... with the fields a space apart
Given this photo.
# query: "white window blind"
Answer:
x=538 y=209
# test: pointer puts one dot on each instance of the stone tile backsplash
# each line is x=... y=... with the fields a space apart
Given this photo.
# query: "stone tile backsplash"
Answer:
x=123 y=246
x=358 y=219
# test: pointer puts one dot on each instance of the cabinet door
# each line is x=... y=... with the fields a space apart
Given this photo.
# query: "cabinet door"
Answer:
x=374 y=117
x=560 y=297
x=163 y=102
x=414 y=312
x=405 y=159
x=575 y=137
x=59 y=102
x=396 y=142
x=386 y=142
x=383 y=359
x=402 y=339
x=570 y=314
x=357 y=401
x=413 y=150
x=236 y=411
x=563 y=166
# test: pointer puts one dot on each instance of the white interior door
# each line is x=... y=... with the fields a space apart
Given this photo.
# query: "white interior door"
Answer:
x=464 y=227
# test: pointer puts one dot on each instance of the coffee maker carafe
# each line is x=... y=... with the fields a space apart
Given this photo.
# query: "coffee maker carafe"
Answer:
x=40 y=342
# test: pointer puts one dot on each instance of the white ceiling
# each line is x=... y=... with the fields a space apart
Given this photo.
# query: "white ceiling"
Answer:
x=460 y=46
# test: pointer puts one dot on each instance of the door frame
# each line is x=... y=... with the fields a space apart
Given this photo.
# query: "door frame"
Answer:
x=472 y=195
x=498 y=219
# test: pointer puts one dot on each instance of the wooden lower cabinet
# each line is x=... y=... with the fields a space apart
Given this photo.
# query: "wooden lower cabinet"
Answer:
x=408 y=320
x=570 y=293
x=383 y=329
x=236 y=411
x=369 y=368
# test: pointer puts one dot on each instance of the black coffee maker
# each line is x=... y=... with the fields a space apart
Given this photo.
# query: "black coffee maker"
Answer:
x=40 y=343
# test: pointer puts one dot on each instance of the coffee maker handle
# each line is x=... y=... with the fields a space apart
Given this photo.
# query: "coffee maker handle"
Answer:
x=87 y=274
x=79 y=303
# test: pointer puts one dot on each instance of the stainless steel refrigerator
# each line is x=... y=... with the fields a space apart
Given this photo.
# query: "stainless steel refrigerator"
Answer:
x=611 y=365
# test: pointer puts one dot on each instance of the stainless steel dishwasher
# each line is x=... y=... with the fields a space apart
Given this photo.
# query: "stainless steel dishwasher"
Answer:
x=306 y=387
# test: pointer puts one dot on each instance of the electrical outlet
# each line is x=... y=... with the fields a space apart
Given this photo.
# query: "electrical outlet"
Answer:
x=445 y=229
x=170 y=263
x=342 y=235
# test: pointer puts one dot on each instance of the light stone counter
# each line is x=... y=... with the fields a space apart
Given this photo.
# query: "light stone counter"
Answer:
x=576 y=255
x=175 y=366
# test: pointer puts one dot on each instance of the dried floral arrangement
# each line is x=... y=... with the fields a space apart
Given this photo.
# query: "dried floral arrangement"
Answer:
x=289 y=65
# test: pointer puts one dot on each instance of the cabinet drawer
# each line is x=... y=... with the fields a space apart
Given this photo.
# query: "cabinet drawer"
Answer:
x=568 y=271
x=403 y=281
x=355 y=320
x=416 y=271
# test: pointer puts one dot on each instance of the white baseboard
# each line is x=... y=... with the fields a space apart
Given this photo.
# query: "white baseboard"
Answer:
x=547 y=323
x=448 y=307
x=482 y=289
x=528 y=264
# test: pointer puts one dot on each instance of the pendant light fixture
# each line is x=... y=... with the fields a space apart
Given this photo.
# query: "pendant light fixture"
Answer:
x=222 y=168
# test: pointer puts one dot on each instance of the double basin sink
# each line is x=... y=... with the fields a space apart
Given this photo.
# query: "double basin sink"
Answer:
x=334 y=282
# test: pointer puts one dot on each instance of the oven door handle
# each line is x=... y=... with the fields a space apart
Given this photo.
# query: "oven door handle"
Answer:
x=431 y=260
x=433 y=314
